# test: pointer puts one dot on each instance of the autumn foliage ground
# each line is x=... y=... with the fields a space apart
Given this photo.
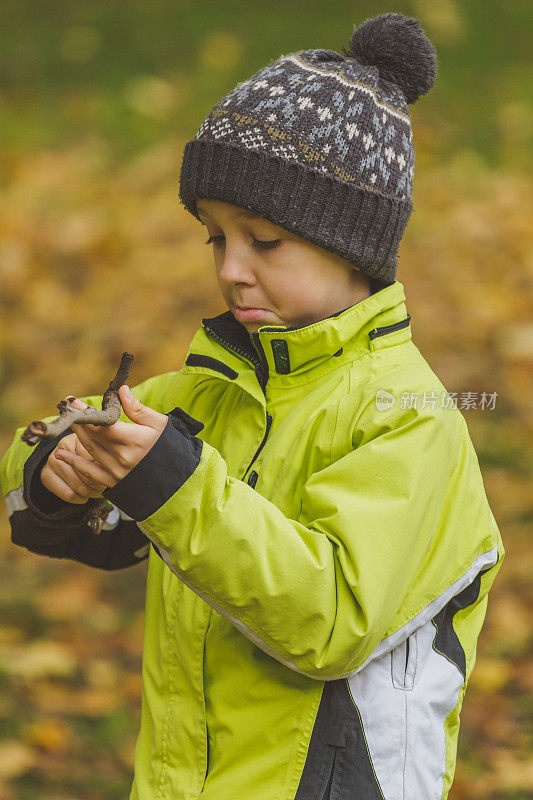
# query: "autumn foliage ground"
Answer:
x=97 y=257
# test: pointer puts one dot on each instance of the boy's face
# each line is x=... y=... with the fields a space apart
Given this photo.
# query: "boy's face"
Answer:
x=289 y=282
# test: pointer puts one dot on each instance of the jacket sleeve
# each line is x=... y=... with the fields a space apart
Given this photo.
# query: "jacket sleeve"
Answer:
x=47 y=525
x=387 y=534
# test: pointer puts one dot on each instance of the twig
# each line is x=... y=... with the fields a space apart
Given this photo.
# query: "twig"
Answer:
x=111 y=408
x=97 y=508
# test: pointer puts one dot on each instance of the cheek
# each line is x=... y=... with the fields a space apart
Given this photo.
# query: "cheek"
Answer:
x=293 y=286
x=218 y=276
x=302 y=299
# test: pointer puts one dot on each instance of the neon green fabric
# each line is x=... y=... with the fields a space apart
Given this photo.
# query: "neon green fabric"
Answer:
x=366 y=518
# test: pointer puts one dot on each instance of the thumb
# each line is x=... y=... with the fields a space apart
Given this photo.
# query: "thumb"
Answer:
x=136 y=411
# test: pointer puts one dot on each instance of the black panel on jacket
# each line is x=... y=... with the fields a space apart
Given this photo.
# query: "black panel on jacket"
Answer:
x=199 y=360
x=121 y=547
x=338 y=766
x=446 y=640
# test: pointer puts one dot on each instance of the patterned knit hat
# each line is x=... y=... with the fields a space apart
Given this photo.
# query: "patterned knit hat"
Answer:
x=320 y=143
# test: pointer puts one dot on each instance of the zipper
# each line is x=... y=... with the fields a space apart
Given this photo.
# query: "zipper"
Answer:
x=328 y=787
x=265 y=437
x=257 y=365
x=254 y=336
x=394 y=326
x=261 y=371
x=335 y=788
x=263 y=377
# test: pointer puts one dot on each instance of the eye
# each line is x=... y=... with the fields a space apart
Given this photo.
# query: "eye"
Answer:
x=266 y=245
x=260 y=244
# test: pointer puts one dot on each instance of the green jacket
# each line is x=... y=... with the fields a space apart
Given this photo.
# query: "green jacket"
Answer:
x=320 y=553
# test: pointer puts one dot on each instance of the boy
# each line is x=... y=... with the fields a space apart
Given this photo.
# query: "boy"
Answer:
x=320 y=557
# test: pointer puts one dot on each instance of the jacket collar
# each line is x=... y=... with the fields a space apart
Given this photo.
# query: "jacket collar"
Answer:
x=282 y=353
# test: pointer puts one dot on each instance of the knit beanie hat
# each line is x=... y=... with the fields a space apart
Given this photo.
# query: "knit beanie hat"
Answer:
x=320 y=143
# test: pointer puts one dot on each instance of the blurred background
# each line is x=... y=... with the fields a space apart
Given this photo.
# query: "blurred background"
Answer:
x=97 y=256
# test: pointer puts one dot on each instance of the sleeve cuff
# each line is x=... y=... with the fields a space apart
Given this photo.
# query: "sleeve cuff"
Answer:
x=43 y=503
x=162 y=471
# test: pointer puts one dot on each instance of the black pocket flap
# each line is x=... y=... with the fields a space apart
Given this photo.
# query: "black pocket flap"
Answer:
x=188 y=425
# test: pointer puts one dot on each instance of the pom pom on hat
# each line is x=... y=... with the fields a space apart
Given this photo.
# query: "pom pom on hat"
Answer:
x=401 y=51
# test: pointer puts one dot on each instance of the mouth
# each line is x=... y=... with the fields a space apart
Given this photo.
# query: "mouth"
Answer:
x=249 y=314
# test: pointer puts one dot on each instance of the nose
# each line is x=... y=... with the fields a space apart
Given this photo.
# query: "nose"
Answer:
x=236 y=268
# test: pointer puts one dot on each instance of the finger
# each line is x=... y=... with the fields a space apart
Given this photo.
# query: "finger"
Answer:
x=119 y=432
x=75 y=402
x=90 y=470
x=98 y=451
x=80 y=482
x=58 y=486
x=67 y=442
x=76 y=482
x=81 y=450
x=90 y=442
x=82 y=485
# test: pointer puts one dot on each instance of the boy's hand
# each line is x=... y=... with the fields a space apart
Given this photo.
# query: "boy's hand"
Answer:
x=62 y=479
x=113 y=450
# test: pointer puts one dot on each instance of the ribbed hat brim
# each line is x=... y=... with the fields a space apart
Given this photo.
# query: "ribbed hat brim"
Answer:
x=361 y=225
